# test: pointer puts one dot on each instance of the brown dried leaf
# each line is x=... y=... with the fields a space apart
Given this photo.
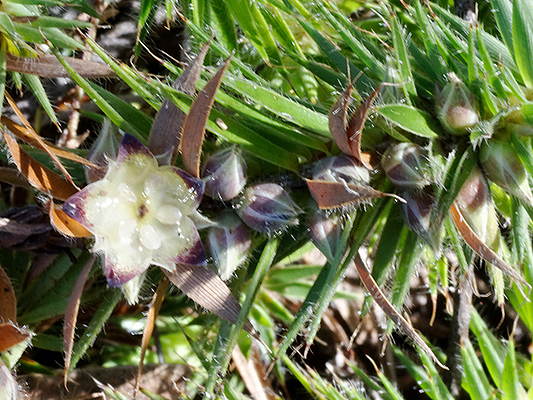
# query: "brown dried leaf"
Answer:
x=194 y=126
x=42 y=144
x=480 y=248
x=337 y=120
x=348 y=135
x=159 y=296
x=207 y=289
x=39 y=176
x=8 y=301
x=71 y=315
x=30 y=136
x=65 y=224
x=11 y=335
x=49 y=66
x=330 y=195
x=355 y=126
x=165 y=135
x=388 y=308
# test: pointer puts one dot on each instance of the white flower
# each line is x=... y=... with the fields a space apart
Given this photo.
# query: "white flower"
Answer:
x=140 y=214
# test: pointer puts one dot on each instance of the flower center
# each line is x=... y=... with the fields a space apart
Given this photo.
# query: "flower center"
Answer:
x=142 y=211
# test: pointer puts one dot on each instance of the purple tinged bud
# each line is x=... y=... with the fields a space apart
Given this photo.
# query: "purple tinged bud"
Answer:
x=224 y=173
x=229 y=242
x=417 y=210
x=406 y=165
x=341 y=169
x=267 y=208
x=325 y=233
x=456 y=108
x=477 y=208
x=502 y=166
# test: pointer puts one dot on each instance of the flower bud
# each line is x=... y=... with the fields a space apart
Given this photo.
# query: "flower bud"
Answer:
x=503 y=167
x=229 y=242
x=477 y=208
x=418 y=214
x=224 y=173
x=267 y=208
x=341 y=169
x=456 y=107
x=406 y=165
x=325 y=233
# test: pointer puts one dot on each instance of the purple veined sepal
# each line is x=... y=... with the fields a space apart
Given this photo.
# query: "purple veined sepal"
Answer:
x=224 y=173
x=194 y=254
x=117 y=275
x=267 y=208
x=194 y=184
x=75 y=205
x=131 y=145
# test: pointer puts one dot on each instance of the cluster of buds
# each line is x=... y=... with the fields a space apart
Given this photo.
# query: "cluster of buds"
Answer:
x=408 y=168
x=456 y=107
x=265 y=208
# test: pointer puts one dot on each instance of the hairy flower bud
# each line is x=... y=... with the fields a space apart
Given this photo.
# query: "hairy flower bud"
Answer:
x=456 y=108
x=228 y=242
x=224 y=173
x=477 y=208
x=418 y=214
x=341 y=169
x=406 y=165
x=325 y=233
x=503 y=167
x=267 y=207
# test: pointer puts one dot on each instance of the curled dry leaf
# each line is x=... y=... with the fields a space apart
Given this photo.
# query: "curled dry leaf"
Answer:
x=348 y=135
x=330 y=195
x=157 y=301
x=480 y=248
x=71 y=315
x=29 y=136
x=42 y=145
x=65 y=224
x=165 y=135
x=11 y=335
x=8 y=301
x=48 y=66
x=39 y=176
x=194 y=125
x=388 y=309
x=207 y=289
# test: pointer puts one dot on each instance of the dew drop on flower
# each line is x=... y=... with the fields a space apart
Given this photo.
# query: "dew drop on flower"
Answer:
x=168 y=214
x=149 y=237
x=152 y=184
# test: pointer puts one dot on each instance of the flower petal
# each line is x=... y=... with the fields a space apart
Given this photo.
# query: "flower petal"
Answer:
x=131 y=145
x=75 y=206
x=194 y=255
x=194 y=184
x=118 y=274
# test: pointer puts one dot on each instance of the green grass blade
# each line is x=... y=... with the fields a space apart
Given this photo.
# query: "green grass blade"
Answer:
x=402 y=57
x=223 y=25
x=36 y=87
x=503 y=13
x=410 y=119
x=523 y=39
x=475 y=382
x=98 y=320
x=491 y=348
